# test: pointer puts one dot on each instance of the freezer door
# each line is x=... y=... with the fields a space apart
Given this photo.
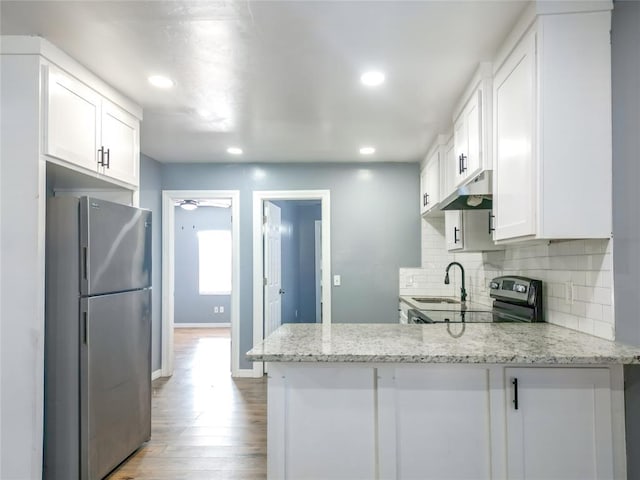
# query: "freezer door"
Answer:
x=115 y=247
x=115 y=380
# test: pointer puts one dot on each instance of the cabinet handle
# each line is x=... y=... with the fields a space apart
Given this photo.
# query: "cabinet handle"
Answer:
x=108 y=162
x=491 y=227
x=463 y=166
x=101 y=156
x=455 y=234
x=426 y=199
x=514 y=382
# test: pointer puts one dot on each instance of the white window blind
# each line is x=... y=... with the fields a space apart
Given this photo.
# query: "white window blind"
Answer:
x=214 y=262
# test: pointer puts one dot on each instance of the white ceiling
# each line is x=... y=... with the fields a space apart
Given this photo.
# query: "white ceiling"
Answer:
x=280 y=78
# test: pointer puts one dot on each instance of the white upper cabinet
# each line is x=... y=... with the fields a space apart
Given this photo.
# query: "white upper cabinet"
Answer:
x=72 y=120
x=469 y=231
x=86 y=131
x=467 y=139
x=120 y=143
x=472 y=128
x=552 y=146
x=430 y=183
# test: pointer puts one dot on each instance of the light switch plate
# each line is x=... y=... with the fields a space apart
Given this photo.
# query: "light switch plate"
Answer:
x=337 y=280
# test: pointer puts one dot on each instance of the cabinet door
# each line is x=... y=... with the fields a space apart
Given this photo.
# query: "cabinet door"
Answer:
x=515 y=174
x=473 y=118
x=121 y=143
x=423 y=190
x=454 y=229
x=561 y=428
x=433 y=181
x=449 y=168
x=321 y=423
x=442 y=423
x=72 y=120
x=461 y=146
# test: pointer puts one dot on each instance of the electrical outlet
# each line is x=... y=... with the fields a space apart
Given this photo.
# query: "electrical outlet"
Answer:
x=221 y=309
x=569 y=292
x=409 y=282
x=337 y=280
x=215 y=309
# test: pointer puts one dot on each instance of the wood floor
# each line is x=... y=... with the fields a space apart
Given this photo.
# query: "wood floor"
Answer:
x=205 y=425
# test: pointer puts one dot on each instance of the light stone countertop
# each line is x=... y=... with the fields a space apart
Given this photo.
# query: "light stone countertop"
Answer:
x=496 y=343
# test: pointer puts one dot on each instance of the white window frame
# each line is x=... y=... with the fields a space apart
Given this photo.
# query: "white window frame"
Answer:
x=209 y=274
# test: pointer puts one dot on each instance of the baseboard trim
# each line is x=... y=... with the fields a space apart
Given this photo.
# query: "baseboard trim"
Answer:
x=156 y=374
x=202 y=325
x=245 y=373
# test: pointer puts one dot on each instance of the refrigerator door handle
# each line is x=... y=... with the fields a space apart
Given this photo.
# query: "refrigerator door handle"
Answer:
x=85 y=328
x=84 y=262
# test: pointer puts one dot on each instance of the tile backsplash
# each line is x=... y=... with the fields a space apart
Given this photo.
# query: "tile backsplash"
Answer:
x=577 y=276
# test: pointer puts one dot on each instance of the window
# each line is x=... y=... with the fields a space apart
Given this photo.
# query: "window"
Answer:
x=214 y=262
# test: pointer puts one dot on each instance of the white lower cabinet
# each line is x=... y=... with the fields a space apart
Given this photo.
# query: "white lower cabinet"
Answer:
x=321 y=423
x=562 y=426
x=433 y=422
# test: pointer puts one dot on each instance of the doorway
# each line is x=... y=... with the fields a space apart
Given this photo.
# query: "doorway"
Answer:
x=290 y=290
x=216 y=295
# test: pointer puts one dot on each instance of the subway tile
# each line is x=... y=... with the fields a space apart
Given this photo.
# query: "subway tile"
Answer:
x=572 y=247
x=603 y=330
x=579 y=309
x=594 y=311
x=595 y=246
x=607 y=314
x=586 y=325
x=602 y=296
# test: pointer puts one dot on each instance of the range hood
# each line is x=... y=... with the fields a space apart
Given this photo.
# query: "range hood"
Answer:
x=474 y=195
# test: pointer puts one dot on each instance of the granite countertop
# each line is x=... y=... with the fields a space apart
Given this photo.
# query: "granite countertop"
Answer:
x=501 y=343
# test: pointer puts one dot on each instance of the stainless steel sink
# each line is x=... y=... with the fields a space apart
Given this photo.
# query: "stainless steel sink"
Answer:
x=435 y=300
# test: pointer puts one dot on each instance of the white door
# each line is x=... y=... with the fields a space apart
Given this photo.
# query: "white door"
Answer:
x=560 y=427
x=514 y=173
x=272 y=269
x=318 y=262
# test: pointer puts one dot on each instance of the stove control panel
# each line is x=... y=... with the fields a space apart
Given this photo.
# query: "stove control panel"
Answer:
x=515 y=289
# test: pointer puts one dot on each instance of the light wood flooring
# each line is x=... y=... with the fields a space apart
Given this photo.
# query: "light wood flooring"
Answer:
x=205 y=424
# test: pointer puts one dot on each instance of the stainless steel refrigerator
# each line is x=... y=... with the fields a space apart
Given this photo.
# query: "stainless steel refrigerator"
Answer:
x=97 y=336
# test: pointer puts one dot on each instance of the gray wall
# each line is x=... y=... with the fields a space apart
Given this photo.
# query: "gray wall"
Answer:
x=625 y=60
x=375 y=228
x=298 y=259
x=307 y=216
x=189 y=305
x=151 y=198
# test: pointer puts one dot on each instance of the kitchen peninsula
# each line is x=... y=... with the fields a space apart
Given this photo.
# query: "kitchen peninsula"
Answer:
x=484 y=400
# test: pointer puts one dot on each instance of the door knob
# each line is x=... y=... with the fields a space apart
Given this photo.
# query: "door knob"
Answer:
x=281 y=291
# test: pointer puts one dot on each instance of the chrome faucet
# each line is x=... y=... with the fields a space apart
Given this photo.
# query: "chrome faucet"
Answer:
x=463 y=291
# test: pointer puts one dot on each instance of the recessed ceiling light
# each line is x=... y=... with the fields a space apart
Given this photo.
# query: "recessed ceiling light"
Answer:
x=372 y=78
x=160 y=81
x=234 y=151
x=367 y=151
